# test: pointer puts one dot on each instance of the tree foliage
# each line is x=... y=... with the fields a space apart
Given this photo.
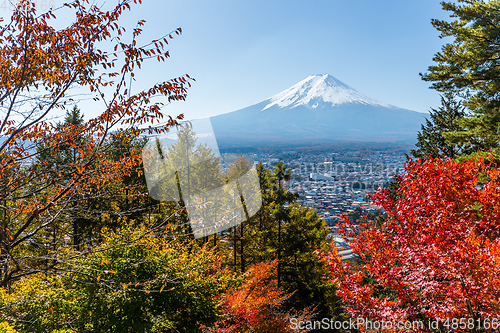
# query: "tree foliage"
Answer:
x=469 y=67
x=285 y=230
x=131 y=283
x=437 y=254
x=432 y=141
x=83 y=248
x=257 y=305
x=41 y=71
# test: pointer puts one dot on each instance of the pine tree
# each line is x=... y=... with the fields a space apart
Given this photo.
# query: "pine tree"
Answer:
x=282 y=211
x=240 y=167
x=67 y=152
x=187 y=172
x=66 y=155
x=283 y=229
x=469 y=67
x=432 y=139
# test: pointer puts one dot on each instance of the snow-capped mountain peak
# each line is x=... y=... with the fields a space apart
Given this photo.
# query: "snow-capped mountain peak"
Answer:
x=317 y=90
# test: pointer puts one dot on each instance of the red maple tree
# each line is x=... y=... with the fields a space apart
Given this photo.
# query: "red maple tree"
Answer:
x=257 y=305
x=435 y=258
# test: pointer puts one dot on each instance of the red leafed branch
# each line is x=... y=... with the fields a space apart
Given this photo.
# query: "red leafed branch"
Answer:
x=257 y=305
x=437 y=254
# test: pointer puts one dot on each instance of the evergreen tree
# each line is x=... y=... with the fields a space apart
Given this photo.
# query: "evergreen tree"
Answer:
x=284 y=229
x=66 y=156
x=86 y=215
x=187 y=172
x=469 y=67
x=240 y=167
x=282 y=210
x=432 y=139
x=68 y=151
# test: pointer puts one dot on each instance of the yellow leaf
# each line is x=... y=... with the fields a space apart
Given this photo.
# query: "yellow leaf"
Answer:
x=9 y=234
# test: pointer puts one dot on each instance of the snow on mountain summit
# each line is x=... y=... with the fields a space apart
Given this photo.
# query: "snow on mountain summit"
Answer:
x=318 y=110
x=317 y=90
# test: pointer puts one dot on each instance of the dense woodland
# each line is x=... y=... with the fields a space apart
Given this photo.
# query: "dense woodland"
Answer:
x=84 y=247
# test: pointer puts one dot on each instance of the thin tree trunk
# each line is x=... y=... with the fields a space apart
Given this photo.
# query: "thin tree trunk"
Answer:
x=279 y=236
x=247 y=217
x=234 y=248
x=242 y=260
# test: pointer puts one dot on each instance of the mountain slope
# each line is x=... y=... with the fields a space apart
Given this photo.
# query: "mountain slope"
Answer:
x=319 y=108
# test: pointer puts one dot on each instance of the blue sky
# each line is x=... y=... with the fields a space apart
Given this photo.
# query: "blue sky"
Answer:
x=243 y=51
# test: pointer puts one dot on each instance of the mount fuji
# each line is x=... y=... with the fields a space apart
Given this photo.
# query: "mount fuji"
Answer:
x=318 y=109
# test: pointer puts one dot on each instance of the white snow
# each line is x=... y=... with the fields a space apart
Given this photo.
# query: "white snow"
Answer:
x=316 y=89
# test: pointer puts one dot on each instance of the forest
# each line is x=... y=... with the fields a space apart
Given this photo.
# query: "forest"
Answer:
x=88 y=245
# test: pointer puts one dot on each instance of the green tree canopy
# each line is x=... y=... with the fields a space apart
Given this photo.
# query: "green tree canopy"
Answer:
x=432 y=139
x=132 y=282
x=283 y=229
x=469 y=67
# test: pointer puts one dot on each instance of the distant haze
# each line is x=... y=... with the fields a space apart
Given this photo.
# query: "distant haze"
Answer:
x=318 y=109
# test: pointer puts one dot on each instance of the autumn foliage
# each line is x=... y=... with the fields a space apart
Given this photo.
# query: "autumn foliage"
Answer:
x=257 y=305
x=437 y=254
x=44 y=71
